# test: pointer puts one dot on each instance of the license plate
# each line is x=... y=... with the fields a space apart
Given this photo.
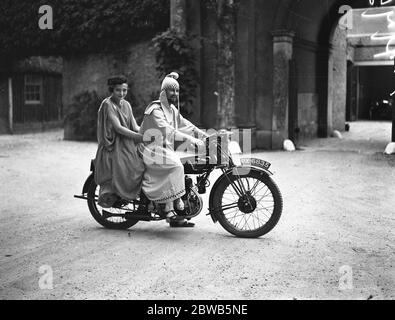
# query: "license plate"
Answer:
x=256 y=163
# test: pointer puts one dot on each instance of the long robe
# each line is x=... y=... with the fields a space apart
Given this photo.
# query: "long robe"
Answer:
x=164 y=176
x=118 y=166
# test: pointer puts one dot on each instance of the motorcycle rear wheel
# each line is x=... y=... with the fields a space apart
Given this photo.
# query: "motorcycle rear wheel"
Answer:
x=267 y=198
x=96 y=211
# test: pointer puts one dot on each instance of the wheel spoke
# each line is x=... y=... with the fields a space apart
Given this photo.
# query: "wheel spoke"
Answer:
x=264 y=196
x=257 y=192
x=246 y=221
x=257 y=217
x=254 y=187
x=226 y=198
x=266 y=211
x=229 y=206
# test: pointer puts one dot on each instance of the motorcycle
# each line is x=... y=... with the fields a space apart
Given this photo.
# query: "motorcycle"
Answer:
x=244 y=199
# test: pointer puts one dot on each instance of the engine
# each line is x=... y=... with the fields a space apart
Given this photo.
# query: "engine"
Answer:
x=193 y=201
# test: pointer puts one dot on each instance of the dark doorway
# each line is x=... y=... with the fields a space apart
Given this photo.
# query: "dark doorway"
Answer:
x=375 y=88
x=352 y=92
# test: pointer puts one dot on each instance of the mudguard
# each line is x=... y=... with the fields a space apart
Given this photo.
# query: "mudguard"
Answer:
x=241 y=169
x=87 y=183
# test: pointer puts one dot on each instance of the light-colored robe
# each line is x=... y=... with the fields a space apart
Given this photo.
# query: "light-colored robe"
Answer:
x=164 y=176
x=118 y=166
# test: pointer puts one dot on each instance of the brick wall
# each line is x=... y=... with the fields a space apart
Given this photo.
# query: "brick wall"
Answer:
x=91 y=71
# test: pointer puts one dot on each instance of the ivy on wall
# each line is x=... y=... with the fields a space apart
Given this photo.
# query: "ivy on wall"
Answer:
x=78 y=25
x=175 y=52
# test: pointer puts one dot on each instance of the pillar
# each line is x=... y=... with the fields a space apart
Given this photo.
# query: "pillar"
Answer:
x=282 y=54
x=10 y=107
x=178 y=20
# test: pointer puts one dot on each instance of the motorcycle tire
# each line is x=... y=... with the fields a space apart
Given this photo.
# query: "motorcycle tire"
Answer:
x=261 y=230
x=123 y=224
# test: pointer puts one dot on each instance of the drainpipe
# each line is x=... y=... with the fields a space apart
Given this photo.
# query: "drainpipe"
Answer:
x=10 y=107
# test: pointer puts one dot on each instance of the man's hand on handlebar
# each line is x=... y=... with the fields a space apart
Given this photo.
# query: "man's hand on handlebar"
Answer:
x=197 y=142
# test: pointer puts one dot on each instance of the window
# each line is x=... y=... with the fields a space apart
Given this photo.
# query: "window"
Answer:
x=33 y=89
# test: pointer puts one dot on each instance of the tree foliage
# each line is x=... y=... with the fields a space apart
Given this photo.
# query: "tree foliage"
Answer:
x=78 y=25
x=175 y=52
x=82 y=115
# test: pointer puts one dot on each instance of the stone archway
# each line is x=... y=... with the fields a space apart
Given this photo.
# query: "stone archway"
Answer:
x=313 y=43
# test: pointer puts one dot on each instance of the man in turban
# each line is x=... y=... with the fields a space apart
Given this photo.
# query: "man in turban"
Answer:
x=163 y=181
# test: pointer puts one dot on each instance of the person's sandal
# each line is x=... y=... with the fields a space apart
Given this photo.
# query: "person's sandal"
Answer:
x=171 y=216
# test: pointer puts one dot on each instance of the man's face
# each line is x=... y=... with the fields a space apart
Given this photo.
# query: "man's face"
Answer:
x=172 y=95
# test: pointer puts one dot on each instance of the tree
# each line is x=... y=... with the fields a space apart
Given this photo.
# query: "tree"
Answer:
x=78 y=25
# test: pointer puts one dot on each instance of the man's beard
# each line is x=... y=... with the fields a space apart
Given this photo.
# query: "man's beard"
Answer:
x=173 y=100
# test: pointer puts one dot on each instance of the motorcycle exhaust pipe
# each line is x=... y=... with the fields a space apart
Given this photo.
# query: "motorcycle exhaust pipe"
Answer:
x=136 y=216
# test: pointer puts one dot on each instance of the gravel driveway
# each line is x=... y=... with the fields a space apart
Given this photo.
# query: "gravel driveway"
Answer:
x=335 y=239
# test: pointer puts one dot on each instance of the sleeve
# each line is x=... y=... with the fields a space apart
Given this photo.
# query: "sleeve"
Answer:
x=132 y=122
x=105 y=132
x=186 y=126
x=109 y=114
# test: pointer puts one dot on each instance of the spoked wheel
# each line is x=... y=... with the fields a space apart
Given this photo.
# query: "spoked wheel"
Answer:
x=248 y=206
x=101 y=215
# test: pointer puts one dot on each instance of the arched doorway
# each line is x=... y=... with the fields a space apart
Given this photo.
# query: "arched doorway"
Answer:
x=366 y=67
x=328 y=78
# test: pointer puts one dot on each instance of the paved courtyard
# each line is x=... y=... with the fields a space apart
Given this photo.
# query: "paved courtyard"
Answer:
x=335 y=239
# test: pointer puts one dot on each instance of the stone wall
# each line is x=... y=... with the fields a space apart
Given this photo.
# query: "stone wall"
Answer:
x=305 y=55
x=321 y=82
x=90 y=72
x=367 y=53
x=307 y=115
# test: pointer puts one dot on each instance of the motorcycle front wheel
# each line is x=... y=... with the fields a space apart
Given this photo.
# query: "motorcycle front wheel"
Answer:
x=99 y=213
x=248 y=206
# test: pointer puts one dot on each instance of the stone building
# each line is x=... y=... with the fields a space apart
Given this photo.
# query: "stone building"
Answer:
x=31 y=94
x=297 y=72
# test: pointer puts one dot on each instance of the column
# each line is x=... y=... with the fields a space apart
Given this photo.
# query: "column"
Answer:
x=282 y=54
x=245 y=69
x=10 y=107
x=178 y=16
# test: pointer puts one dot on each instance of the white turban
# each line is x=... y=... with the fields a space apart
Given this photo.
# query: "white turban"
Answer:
x=170 y=82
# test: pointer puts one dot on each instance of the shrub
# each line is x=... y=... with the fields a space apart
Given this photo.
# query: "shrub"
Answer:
x=81 y=116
